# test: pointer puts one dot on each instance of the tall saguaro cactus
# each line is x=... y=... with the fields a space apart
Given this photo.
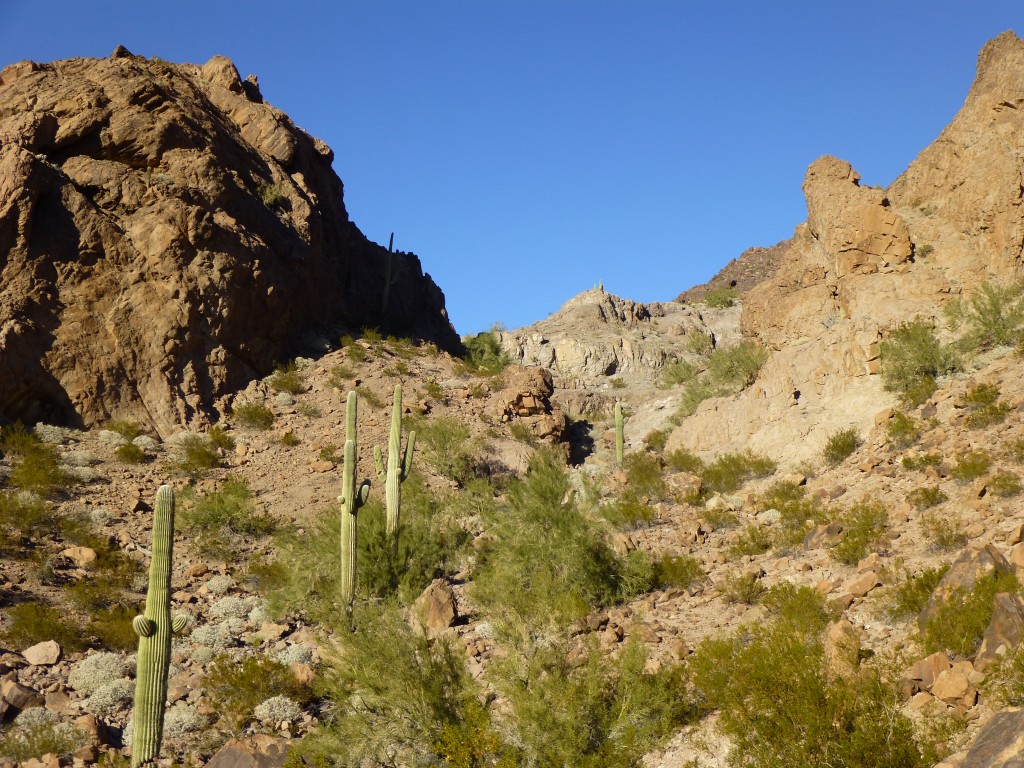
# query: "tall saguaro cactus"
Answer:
x=397 y=469
x=154 y=629
x=619 y=436
x=351 y=499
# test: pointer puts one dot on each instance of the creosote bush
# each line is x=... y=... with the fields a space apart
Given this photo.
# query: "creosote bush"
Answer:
x=237 y=687
x=993 y=316
x=841 y=444
x=944 y=531
x=222 y=519
x=960 y=621
x=484 y=354
x=729 y=471
x=902 y=431
x=130 y=453
x=912 y=359
x=789 y=710
x=31 y=623
x=287 y=378
x=926 y=497
x=970 y=466
x=36 y=732
x=864 y=525
x=721 y=297
x=195 y=455
x=909 y=597
x=253 y=415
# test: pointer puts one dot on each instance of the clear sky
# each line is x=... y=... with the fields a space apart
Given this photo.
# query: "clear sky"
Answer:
x=527 y=149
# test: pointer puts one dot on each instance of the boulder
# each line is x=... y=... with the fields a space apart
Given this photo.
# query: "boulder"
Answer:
x=435 y=609
x=1004 y=632
x=258 y=751
x=43 y=654
x=1000 y=743
x=973 y=563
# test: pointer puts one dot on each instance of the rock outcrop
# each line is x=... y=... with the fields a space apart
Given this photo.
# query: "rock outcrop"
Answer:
x=165 y=236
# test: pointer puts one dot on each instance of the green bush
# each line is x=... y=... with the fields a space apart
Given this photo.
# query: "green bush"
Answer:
x=752 y=540
x=694 y=393
x=944 y=532
x=24 y=520
x=729 y=471
x=864 y=526
x=841 y=444
x=983 y=406
x=903 y=431
x=35 y=622
x=721 y=297
x=37 y=732
x=921 y=462
x=797 y=514
x=235 y=687
x=911 y=360
x=1005 y=484
x=548 y=565
x=909 y=597
x=923 y=498
x=36 y=465
x=741 y=587
x=970 y=466
x=484 y=354
x=682 y=571
x=287 y=378
x=700 y=343
x=962 y=618
x=656 y=440
x=196 y=454
x=221 y=520
x=126 y=428
x=253 y=415
x=678 y=372
x=130 y=453
x=446 y=442
x=682 y=460
x=737 y=367
x=994 y=316
x=778 y=704
x=220 y=439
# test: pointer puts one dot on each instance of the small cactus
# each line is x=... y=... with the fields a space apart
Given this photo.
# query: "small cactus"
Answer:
x=351 y=499
x=397 y=469
x=154 y=629
x=619 y=437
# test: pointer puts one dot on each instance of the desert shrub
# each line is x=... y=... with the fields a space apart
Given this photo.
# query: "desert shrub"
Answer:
x=130 y=453
x=329 y=452
x=864 y=525
x=309 y=410
x=741 y=587
x=37 y=732
x=220 y=438
x=35 y=622
x=484 y=354
x=682 y=571
x=788 y=709
x=289 y=439
x=221 y=519
x=841 y=444
x=902 y=431
x=392 y=691
x=628 y=511
x=446 y=447
x=960 y=621
x=370 y=397
x=434 y=390
x=993 y=316
x=277 y=709
x=970 y=466
x=235 y=687
x=24 y=519
x=797 y=513
x=656 y=440
x=983 y=406
x=719 y=518
x=924 y=251
x=522 y=433
x=111 y=627
x=907 y=598
x=923 y=498
x=110 y=698
x=721 y=297
x=1015 y=450
x=37 y=469
x=595 y=714
x=922 y=461
x=729 y=471
x=195 y=454
x=911 y=359
x=126 y=428
x=253 y=415
x=737 y=367
x=1005 y=484
x=694 y=393
x=271 y=195
x=682 y=460
x=548 y=565
x=752 y=540
x=700 y=343
x=287 y=378
x=944 y=532
x=678 y=372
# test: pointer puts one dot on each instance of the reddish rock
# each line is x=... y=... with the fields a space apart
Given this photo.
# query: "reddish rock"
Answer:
x=253 y=752
x=435 y=609
x=1004 y=632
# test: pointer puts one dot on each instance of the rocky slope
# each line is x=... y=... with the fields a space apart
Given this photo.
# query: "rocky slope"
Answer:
x=166 y=236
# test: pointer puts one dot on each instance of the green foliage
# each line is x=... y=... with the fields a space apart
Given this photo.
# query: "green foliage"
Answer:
x=970 y=466
x=994 y=316
x=788 y=710
x=24 y=520
x=656 y=440
x=547 y=565
x=1015 y=450
x=737 y=367
x=287 y=378
x=446 y=442
x=600 y=714
x=235 y=687
x=841 y=444
x=484 y=354
x=220 y=439
x=909 y=597
x=126 y=428
x=699 y=343
x=272 y=194
x=923 y=498
x=721 y=297
x=341 y=377
x=729 y=471
x=329 y=452
x=921 y=462
x=372 y=398
x=796 y=512
x=682 y=460
x=37 y=732
x=944 y=532
x=911 y=359
x=522 y=433
x=903 y=431
x=253 y=415
x=682 y=571
x=196 y=454
x=393 y=691
x=36 y=466
x=924 y=251
x=1005 y=484
x=983 y=406
x=221 y=520
x=864 y=526
x=35 y=622
x=741 y=587
x=752 y=540
x=289 y=439
x=112 y=628
x=434 y=390
x=694 y=393
x=678 y=372
x=962 y=618
x=130 y=453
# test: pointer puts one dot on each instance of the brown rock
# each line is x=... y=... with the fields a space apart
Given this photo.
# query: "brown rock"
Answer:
x=861 y=584
x=929 y=668
x=20 y=696
x=822 y=535
x=435 y=609
x=954 y=687
x=80 y=556
x=1004 y=632
x=173 y=193
x=842 y=648
x=1000 y=743
x=252 y=752
x=43 y=654
x=973 y=563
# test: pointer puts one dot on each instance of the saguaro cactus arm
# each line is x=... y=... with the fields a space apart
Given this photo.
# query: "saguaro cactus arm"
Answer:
x=619 y=437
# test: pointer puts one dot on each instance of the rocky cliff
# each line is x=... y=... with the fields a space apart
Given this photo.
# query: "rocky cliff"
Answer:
x=868 y=259
x=165 y=236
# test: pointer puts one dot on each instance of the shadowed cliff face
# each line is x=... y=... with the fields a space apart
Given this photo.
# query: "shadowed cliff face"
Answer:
x=165 y=236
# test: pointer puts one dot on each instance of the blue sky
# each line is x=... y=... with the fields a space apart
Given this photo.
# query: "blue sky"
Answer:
x=527 y=150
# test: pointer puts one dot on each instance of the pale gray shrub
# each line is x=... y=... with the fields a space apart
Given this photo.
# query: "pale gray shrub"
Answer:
x=110 y=698
x=295 y=654
x=230 y=608
x=277 y=709
x=220 y=584
x=99 y=668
